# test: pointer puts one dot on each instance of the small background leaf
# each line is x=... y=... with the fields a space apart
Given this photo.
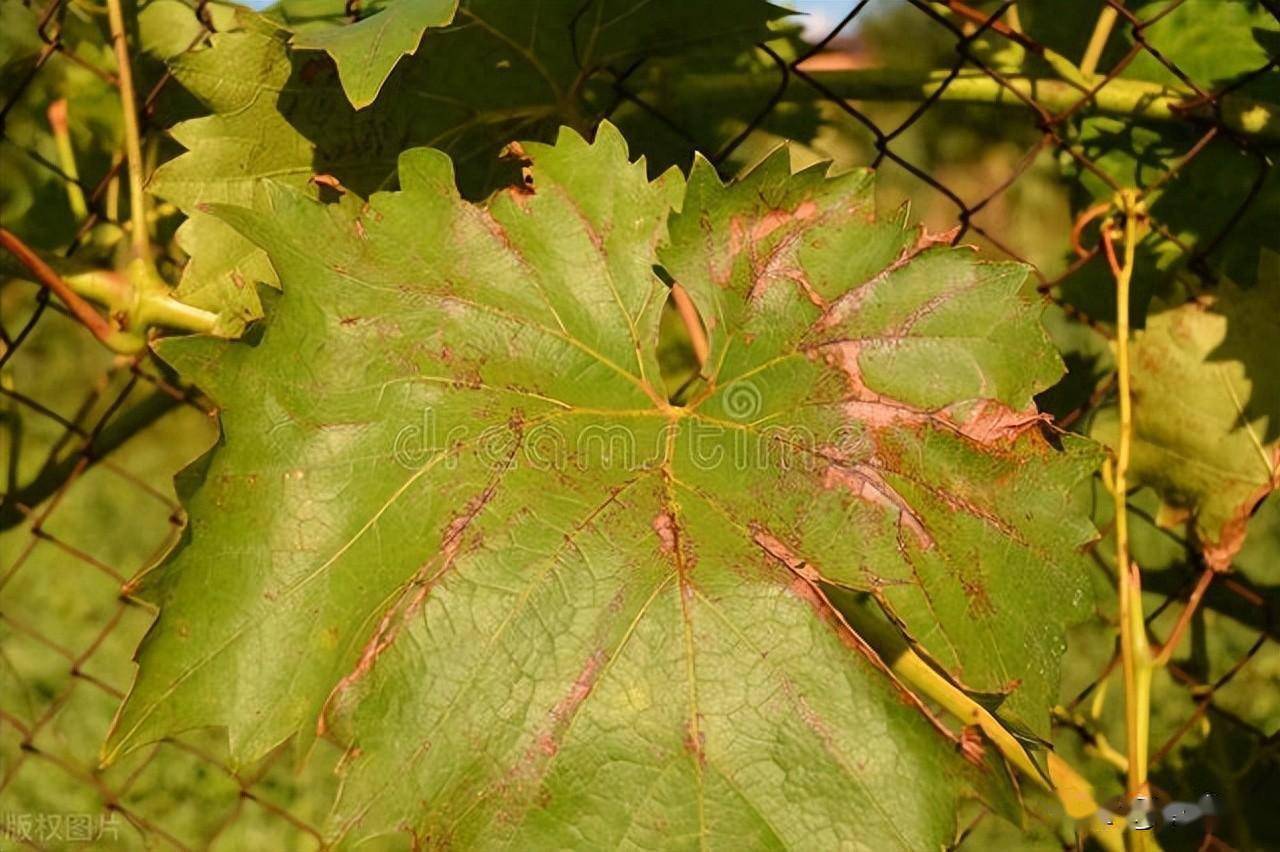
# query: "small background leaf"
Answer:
x=366 y=50
x=1206 y=410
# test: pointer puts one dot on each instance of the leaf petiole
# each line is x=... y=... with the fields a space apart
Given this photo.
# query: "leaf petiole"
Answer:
x=1072 y=790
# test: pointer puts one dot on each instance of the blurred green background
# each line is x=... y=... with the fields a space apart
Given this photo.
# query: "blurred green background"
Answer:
x=79 y=526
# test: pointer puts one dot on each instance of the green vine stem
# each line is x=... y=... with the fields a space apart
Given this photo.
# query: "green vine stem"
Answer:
x=1098 y=40
x=139 y=299
x=140 y=227
x=1131 y=98
x=45 y=275
x=57 y=115
x=136 y=299
x=1138 y=662
x=1071 y=789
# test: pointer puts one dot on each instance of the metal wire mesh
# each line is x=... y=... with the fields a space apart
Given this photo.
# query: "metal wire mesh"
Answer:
x=66 y=585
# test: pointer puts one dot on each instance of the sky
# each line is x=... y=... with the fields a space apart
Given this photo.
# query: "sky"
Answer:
x=821 y=16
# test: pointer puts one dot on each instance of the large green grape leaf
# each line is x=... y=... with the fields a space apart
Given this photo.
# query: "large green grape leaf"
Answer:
x=365 y=51
x=455 y=523
x=504 y=69
x=1206 y=410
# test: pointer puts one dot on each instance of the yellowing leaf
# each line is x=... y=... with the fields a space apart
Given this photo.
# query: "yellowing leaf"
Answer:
x=1206 y=411
x=455 y=522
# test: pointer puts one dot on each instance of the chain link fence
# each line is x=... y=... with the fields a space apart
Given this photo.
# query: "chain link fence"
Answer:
x=92 y=440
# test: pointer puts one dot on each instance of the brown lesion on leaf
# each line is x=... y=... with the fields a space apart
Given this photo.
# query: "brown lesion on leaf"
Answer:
x=868 y=484
x=589 y=228
x=975 y=592
x=805 y=584
x=972 y=745
x=992 y=422
x=514 y=153
x=520 y=193
x=811 y=592
x=987 y=422
x=381 y=639
x=774 y=219
x=695 y=741
x=1219 y=553
x=783 y=554
x=778 y=264
x=665 y=526
x=957 y=503
x=500 y=234
x=451 y=542
x=863 y=404
x=851 y=300
x=672 y=542
x=417 y=590
x=684 y=561
x=926 y=239
x=747 y=233
x=567 y=707
x=520 y=788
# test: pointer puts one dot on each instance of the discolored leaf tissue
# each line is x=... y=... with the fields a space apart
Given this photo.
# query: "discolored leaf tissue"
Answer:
x=456 y=523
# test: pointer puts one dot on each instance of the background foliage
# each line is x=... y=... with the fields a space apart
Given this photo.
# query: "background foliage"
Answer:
x=91 y=441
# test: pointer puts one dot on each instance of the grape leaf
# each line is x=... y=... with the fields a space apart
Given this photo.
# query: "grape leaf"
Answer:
x=474 y=88
x=365 y=51
x=167 y=28
x=1206 y=410
x=455 y=523
x=1191 y=35
x=906 y=357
